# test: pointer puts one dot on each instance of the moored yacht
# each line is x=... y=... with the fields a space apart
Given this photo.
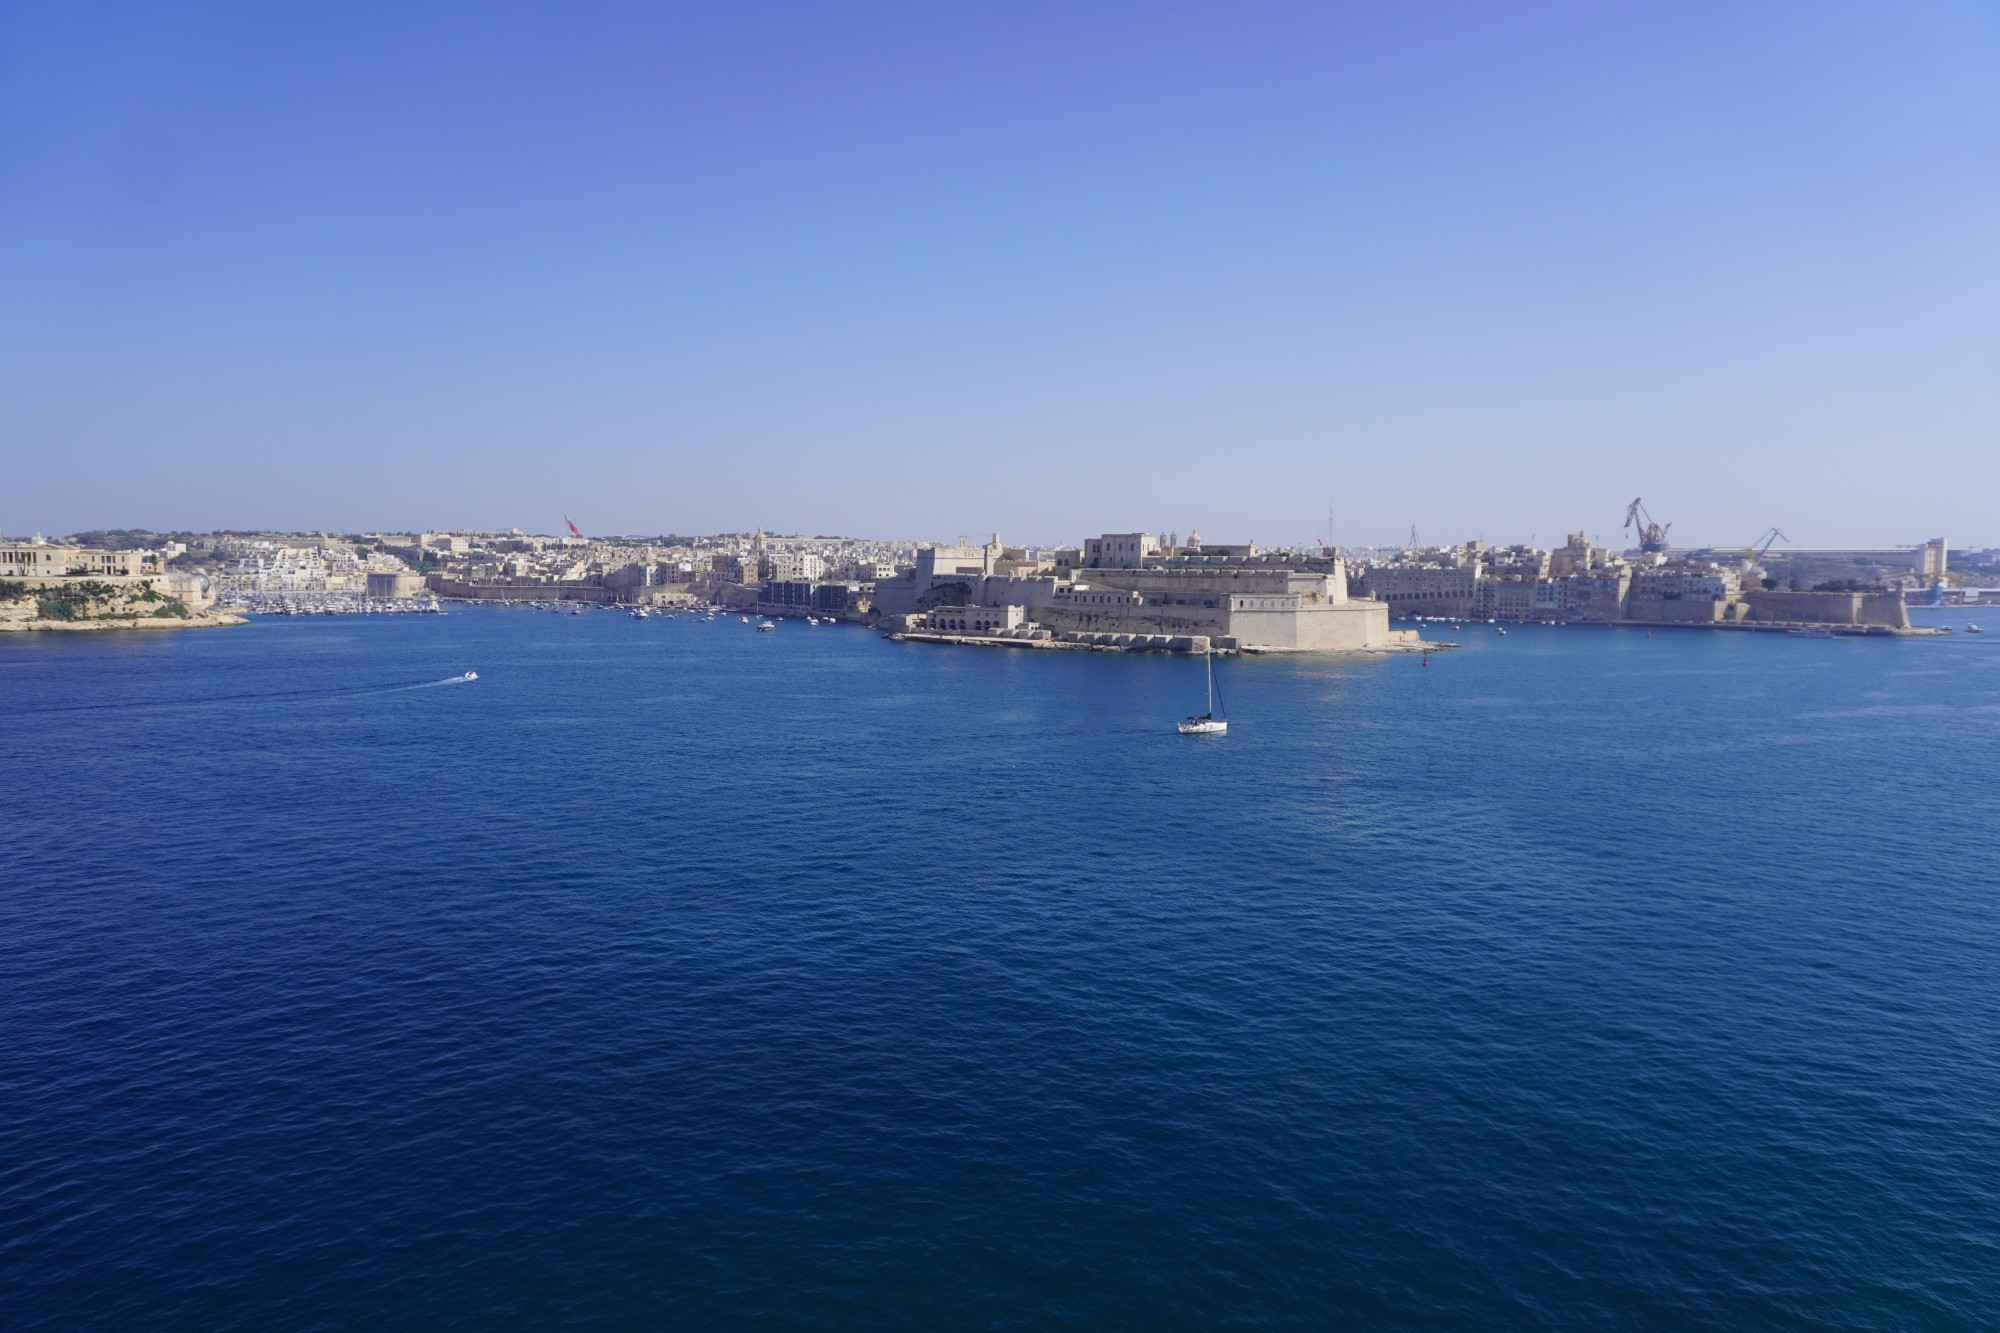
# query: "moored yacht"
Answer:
x=1206 y=724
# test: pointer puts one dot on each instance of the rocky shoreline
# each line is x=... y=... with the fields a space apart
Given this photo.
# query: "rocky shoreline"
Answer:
x=196 y=620
x=71 y=603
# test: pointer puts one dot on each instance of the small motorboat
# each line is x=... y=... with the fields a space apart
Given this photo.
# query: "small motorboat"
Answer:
x=1974 y=629
x=470 y=675
x=765 y=626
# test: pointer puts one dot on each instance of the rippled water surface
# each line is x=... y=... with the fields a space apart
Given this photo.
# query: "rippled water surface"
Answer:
x=674 y=975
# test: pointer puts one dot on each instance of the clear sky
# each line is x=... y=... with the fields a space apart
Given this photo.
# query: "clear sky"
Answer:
x=1052 y=269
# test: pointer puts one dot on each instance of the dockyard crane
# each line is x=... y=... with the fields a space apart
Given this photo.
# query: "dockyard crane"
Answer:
x=1652 y=536
x=1756 y=550
x=1754 y=553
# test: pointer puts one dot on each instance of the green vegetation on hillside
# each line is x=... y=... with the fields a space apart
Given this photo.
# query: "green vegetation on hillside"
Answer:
x=126 y=539
x=92 y=599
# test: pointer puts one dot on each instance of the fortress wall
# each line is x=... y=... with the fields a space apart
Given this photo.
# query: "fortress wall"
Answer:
x=1674 y=610
x=1830 y=608
x=1334 y=628
x=1217 y=584
x=1156 y=620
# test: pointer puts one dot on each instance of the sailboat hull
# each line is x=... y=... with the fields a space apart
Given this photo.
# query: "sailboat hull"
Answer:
x=1205 y=723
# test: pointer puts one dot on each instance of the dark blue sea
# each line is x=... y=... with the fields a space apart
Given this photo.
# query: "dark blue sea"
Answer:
x=672 y=975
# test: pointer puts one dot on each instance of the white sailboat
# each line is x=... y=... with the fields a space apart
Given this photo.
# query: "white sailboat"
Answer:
x=1206 y=724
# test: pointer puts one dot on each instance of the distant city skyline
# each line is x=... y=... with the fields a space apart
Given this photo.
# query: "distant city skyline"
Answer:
x=1621 y=541
x=1049 y=271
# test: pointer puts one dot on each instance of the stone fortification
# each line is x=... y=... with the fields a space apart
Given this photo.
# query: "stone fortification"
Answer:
x=525 y=591
x=1277 y=607
x=1582 y=582
x=1128 y=584
x=1886 y=609
x=1655 y=609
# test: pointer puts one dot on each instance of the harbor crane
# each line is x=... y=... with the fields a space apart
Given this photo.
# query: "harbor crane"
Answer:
x=1652 y=536
x=1758 y=549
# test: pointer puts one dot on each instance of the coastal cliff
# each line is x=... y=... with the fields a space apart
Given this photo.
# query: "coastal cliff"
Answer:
x=96 y=604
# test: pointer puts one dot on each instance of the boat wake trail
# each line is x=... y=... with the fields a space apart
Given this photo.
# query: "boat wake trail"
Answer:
x=353 y=692
x=465 y=679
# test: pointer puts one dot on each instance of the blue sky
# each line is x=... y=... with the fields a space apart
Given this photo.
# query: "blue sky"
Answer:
x=920 y=270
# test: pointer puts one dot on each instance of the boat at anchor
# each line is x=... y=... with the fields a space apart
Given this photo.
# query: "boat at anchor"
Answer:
x=1207 y=724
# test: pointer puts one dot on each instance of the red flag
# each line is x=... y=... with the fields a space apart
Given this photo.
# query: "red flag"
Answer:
x=572 y=525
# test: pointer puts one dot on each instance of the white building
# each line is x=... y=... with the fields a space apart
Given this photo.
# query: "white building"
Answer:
x=1119 y=550
x=976 y=619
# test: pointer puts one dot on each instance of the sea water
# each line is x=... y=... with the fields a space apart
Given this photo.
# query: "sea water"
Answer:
x=676 y=975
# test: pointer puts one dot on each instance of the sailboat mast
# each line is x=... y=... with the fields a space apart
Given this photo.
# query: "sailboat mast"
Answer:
x=1209 y=658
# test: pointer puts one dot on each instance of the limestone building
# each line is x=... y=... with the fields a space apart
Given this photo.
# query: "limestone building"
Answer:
x=1132 y=583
